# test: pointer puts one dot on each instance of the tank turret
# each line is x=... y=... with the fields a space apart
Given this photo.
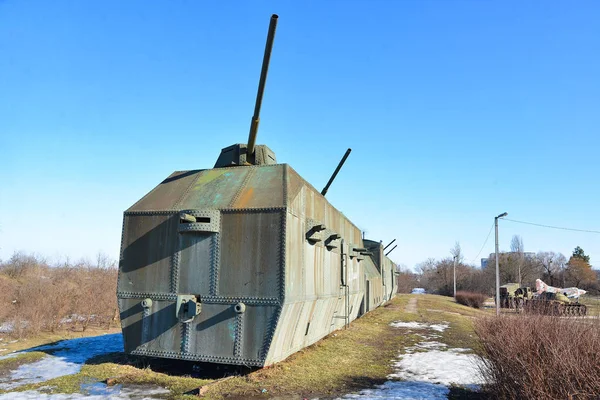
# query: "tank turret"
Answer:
x=237 y=155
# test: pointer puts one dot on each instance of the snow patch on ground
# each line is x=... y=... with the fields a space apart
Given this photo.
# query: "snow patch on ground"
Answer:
x=439 y=327
x=413 y=325
x=404 y=391
x=425 y=346
x=419 y=325
x=64 y=358
x=426 y=369
x=134 y=393
x=67 y=357
x=461 y=350
x=437 y=366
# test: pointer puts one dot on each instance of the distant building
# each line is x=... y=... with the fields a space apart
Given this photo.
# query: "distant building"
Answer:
x=484 y=261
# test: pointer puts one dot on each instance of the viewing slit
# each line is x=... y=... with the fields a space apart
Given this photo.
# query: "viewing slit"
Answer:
x=188 y=219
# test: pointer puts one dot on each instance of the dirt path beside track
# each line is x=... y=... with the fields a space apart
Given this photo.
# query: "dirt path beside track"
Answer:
x=411 y=307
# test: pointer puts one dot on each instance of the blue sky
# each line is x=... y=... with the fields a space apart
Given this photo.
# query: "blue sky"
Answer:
x=456 y=111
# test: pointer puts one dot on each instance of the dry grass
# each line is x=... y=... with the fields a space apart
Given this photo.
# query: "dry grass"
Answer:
x=535 y=357
x=470 y=299
x=37 y=297
x=592 y=303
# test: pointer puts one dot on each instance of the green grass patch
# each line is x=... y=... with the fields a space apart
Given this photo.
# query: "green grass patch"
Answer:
x=9 y=364
x=433 y=309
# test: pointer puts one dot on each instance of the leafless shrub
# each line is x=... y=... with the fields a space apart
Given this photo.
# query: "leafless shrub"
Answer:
x=7 y=295
x=470 y=299
x=34 y=306
x=35 y=296
x=540 y=357
x=21 y=265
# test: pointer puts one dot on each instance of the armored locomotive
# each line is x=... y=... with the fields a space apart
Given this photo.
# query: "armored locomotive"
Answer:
x=244 y=263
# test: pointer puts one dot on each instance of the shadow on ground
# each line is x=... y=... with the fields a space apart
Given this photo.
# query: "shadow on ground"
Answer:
x=460 y=393
x=173 y=367
x=95 y=350
x=78 y=350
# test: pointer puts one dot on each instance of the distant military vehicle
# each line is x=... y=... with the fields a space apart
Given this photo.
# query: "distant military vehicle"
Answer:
x=507 y=295
x=245 y=263
x=550 y=303
x=522 y=296
x=556 y=301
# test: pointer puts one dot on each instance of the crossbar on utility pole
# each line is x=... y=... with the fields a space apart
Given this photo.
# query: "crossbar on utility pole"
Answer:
x=497 y=265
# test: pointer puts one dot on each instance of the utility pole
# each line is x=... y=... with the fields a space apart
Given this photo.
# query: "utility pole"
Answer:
x=520 y=261
x=455 y=260
x=497 y=265
x=562 y=267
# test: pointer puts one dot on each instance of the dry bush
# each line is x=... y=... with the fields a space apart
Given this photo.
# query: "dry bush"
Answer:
x=407 y=281
x=95 y=302
x=35 y=296
x=540 y=357
x=21 y=265
x=470 y=299
x=7 y=295
x=34 y=303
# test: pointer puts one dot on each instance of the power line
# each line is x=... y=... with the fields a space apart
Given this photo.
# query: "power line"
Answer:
x=484 y=243
x=552 y=227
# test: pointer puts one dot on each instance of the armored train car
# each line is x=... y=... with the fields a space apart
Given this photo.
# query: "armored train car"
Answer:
x=245 y=263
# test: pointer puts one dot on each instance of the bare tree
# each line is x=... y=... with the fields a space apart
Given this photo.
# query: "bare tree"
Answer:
x=407 y=279
x=438 y=276
x=426 y=265
x=456 y=251
x=516 y=247
x=552 y=265
x=426 y=271
x=103 y=261
x=516 y=244
x=402 y=268
x=561 y=262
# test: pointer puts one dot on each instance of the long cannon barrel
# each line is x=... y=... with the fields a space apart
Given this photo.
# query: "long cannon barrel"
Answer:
x=326 y=188
x=261 y=85
x=391 y=250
